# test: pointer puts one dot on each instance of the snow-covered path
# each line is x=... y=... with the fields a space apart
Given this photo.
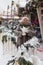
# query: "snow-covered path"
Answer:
x=1 y=48
x=6 y=57
x=3 y=58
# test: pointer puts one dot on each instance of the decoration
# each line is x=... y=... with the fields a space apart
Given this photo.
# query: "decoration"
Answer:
x=4 y=38
x=13 y=40
x=11 y=62
x=22 y=61
x=0 y=31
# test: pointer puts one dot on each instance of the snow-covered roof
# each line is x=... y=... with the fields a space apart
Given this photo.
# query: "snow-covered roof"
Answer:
x=15 y=17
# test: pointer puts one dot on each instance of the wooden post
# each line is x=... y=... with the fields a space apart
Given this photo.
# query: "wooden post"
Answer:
x=40 y=19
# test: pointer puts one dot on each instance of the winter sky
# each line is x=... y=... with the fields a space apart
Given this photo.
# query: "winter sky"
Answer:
x=3 y=4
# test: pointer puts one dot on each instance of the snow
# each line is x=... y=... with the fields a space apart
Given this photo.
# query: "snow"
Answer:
x=1 y=48
x=24 y=30
x=1 y=27
x=36 y=60
x=33 y=42
x=17 y=53
x=23 y=49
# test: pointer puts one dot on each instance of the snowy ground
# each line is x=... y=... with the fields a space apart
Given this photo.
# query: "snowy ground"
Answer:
x=8 y=56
